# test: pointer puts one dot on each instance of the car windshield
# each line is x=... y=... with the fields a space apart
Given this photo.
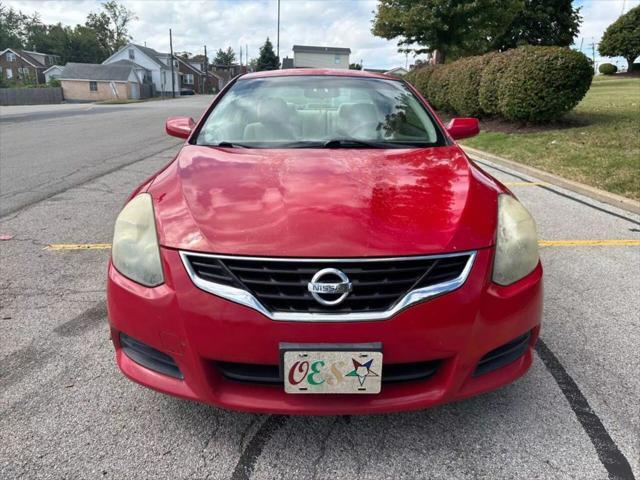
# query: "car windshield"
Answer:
x=319 y=111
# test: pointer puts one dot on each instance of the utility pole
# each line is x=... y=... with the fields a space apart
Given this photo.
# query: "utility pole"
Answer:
x=246 y=51
x=278 y=40
x=593 y=53
x=173 y=80
x=206 y=69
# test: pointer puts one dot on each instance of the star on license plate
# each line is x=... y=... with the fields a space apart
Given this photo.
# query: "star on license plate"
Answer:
x=332 y=372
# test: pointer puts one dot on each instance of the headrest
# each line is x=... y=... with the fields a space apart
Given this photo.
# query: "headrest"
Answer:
x=357 y=112
x=273 y=109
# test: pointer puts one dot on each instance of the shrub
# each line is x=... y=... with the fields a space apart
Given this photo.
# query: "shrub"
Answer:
x=527 y=84
x=437 y=88
x=607 y=69
x=542 y=83
x=464 y=84
x=635 y=67
x=422 y=79
x=490 y=81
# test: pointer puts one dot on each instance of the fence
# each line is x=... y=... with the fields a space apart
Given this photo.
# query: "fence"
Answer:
x=30 y=96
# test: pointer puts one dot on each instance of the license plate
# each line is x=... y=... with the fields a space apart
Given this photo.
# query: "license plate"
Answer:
x=332 y=371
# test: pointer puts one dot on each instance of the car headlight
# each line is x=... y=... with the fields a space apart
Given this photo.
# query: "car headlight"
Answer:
x=516 y=242
x=135 y=252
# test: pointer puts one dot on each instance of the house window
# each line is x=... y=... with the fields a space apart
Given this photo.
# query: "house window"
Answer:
x=336 y=59
x=188 y=79
x=93 y=86
x=23 y=72
x=11 y=57
x=132 y=54
x=9 y=74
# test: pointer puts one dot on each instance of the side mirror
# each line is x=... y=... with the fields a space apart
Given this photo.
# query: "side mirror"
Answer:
x=463 y=128
x=179 y=126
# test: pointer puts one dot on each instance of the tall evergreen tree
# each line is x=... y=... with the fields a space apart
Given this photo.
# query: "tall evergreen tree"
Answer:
x=225 y=57
x=268 y=60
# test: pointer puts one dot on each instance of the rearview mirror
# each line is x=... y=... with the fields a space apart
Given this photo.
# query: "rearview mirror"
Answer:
x=179 y=126
x=463 y=128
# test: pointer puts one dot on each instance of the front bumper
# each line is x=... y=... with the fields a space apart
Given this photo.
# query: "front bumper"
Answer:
x=197 y=330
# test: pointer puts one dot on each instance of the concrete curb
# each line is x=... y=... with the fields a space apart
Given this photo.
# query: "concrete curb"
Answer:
x=591 y=192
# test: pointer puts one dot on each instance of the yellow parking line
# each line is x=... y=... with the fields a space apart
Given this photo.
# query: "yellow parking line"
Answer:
x=78 y=246
x=542 y=243
x=589 y=243
x=524 y=184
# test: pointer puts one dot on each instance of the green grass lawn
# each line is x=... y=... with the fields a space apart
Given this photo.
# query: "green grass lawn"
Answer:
x=598 y=143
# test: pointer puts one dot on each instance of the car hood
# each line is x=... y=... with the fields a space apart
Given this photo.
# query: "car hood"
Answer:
x=324 y=202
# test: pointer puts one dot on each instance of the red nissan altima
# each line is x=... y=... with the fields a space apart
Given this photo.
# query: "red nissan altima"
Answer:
x=321 y=245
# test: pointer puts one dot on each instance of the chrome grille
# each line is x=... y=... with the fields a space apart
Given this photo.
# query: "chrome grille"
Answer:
x=280 y=285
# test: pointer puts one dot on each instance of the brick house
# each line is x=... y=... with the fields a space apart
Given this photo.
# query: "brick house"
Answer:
x=193 y=78
x=22 y=65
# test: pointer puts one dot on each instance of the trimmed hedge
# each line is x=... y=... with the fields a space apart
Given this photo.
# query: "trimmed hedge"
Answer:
x=607 y=69
x=527 y=84
x=464 y=85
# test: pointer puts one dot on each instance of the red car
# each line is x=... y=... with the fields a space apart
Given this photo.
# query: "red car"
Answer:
x=321 y=245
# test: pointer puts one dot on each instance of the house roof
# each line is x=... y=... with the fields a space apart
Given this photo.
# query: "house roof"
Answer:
x=314 y=49
x=189 y=66
x=127 y=63
x=61 y=67
x=92 y=71
x=153 y=54
x=149 y=52
x=24 y=54
x=397 y=69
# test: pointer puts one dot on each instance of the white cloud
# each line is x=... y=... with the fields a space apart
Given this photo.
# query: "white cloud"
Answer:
x=235 y=23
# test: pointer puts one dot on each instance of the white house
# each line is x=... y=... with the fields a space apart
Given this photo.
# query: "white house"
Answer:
x=307 y=56
x=53 y=71
x=157 y=64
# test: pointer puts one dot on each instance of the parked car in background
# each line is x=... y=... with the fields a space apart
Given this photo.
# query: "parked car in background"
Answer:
x=321 y=245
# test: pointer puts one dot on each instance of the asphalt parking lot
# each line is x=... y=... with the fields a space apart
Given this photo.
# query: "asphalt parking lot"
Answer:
x=67 y=412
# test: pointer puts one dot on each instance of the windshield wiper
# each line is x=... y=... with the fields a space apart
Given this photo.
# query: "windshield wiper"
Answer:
x=231 y=145
x=351 y=142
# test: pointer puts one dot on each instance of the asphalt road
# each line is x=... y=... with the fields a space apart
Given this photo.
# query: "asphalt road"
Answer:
x=48 y=149
x=66 y=411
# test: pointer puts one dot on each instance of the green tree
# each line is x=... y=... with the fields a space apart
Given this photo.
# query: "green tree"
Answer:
x=84 y=47
x=452 y=28
x=355 y=66
x=49 y=39
x=111 y=26
x=12 y=28
x=622 y=37
x=225 y=57
x=267 y=60
x=541 y=22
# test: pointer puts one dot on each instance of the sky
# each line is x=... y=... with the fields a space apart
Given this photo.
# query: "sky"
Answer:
x=236 y=23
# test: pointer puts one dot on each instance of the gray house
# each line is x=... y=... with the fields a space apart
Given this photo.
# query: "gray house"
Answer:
x=307 y=56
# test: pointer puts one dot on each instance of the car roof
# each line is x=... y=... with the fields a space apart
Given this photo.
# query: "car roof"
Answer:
x=300 y=72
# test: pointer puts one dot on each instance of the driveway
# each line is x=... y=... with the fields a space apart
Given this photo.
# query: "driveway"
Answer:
x=68 y=413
